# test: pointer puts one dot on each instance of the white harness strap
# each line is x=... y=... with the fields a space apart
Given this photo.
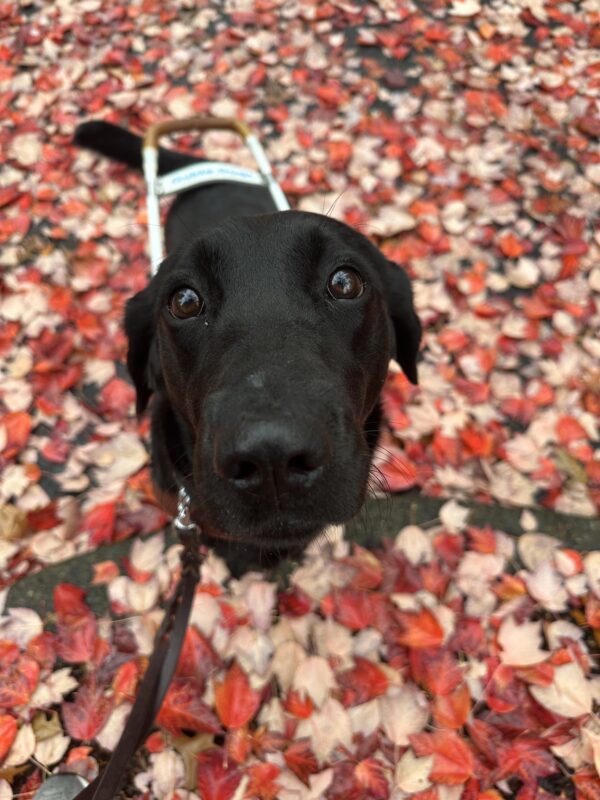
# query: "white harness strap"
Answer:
x=202 y=173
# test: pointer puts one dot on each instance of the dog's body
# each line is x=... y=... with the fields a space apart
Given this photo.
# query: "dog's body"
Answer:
x=264 y=339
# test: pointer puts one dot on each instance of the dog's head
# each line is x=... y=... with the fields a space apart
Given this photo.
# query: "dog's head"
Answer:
x=267 y=340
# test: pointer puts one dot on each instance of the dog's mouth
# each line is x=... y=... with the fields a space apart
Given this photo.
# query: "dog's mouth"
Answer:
x=276 y=533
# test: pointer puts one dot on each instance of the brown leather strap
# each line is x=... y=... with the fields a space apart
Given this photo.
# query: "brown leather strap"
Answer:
x=153 y=688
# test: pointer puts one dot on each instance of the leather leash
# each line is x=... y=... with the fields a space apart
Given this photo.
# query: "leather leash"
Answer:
x=167 y=647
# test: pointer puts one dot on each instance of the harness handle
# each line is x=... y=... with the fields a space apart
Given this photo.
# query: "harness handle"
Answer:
x=197 y=174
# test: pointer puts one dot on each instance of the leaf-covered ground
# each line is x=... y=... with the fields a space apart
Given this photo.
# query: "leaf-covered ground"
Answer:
x=463 y=136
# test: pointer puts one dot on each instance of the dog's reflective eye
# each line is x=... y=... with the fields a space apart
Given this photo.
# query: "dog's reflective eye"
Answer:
x=186 y=303
x=345 y=284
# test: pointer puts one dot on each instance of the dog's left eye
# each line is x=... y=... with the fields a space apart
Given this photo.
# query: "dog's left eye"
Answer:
x=186 y=303
x=345 y=284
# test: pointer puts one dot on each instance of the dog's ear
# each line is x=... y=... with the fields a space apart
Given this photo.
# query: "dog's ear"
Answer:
x=405 y=322
x=142 y=356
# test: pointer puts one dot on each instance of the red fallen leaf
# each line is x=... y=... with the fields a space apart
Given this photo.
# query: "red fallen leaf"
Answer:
x=8 y=731
x=236 y=702
x=184 y=710
x=263 y=781
x=155 y=743
x=526 y=757
x=125 y=681
x=18 y=682
x=370 y=774
x=453 y=340
x=587 y=786
x=502 y=692
x=44 y=518
x=450 y=548
x=446 y=449
x=265 y=741
x=568 y=430
x=362 y=683
x=76 y=639
x=452 y=710
x=420 y=629
x=538 y=674
x=301 y=760
x=238 y=744
x=294 y=602
x=339 y=154
x=368 y=569
x=100 y=523
x=198 y=658
x=294 y=703
x=332 y=94
x=400 y=474
x=352 y=608
x=88 y=712
x=508 y=587
x=8 y=194
x=453 y=761
x=9 y=652
x=216 y=779
x=69 y=602
x=427 y=794
x=104 y=572
x=116 y=399
x=487 y=739
x=17 y=426
x=42 y=648
x=592 y=612
x=511 y=246
x=469 y=638
x=482 y=540
x=479 y=443
x=435 y=670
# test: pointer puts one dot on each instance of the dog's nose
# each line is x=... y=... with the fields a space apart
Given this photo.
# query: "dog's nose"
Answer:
x=263 y=457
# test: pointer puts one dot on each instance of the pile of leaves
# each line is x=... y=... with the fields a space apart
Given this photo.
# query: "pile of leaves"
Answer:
x=462 y=136
x=426 y=670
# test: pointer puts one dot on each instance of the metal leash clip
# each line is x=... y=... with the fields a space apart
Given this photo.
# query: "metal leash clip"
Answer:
x=183 y=520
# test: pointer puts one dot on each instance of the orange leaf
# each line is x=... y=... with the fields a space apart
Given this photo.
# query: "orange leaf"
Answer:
x=435 y=669
x=301 y=759
x=452 y=710
x=236 y=702
x=263 y=781
x=362 y=683
x=568 y=430
x=301 y=707
x=399 y=472
x=17 y=425
x=125 y=681
x=8 y=731
x=217 y=780
x=183 y=709
x=453 y=760
x=511 y=246
x=420 y=629
x=370 y=775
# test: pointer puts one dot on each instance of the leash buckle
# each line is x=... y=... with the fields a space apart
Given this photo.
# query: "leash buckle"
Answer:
x=183 y=521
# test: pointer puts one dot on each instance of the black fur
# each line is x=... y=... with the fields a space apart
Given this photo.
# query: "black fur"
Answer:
x=266 y=405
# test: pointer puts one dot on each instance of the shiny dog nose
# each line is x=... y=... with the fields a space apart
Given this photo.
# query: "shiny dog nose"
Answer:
x=264 y=456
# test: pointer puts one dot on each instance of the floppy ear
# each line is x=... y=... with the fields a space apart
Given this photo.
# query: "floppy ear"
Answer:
x=405 y=322
x=142 y=356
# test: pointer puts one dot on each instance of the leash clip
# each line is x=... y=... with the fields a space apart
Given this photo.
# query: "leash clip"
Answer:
x=183 y=521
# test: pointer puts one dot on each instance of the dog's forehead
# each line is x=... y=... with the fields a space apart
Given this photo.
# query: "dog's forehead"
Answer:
x=286 y=245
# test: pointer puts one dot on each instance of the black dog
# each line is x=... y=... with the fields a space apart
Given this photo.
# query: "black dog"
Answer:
x=265 y=343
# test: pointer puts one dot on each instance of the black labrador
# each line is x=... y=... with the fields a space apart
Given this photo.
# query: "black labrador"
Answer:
x=264 y=342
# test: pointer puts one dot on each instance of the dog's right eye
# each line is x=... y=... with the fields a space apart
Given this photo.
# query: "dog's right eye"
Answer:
x=186 y=303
